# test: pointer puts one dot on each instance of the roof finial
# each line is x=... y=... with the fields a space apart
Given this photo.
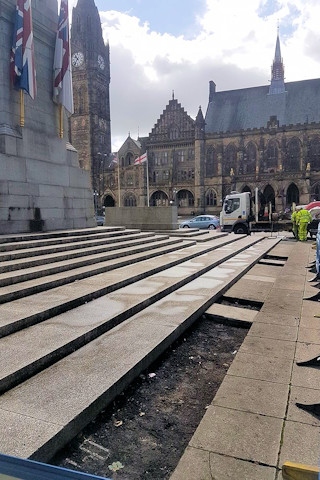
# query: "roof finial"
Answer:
x=172 y=94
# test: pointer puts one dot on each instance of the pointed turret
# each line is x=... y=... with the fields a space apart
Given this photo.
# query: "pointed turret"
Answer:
x=277 y=71
x=200 y=125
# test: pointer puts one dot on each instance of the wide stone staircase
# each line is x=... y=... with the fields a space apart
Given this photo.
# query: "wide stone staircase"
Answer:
x=83 y=312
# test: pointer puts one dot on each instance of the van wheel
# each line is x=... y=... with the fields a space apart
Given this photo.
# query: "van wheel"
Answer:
x=241 y=229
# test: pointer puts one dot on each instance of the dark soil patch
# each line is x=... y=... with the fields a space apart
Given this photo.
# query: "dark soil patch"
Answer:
x=148 y=427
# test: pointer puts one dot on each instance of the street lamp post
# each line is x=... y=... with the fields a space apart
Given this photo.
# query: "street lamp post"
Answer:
x=95 y=202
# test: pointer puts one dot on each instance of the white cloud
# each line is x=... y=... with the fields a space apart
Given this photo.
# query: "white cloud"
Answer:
x=234 y=48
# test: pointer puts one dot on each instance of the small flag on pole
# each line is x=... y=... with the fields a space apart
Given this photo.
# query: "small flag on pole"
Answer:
x=22 y=66
x=62 y=78
x=143 y=158
x=113 y=159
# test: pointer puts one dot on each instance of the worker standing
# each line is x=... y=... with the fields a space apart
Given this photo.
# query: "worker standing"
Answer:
x=294 y=222
x=303 y=218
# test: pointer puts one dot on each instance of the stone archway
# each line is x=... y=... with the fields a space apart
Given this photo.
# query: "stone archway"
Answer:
x=292 y=194
x=109 y=201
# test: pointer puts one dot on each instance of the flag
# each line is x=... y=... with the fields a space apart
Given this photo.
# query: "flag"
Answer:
x=114 y=159
x=62 y=78
x=22 y=67
x=143 y=158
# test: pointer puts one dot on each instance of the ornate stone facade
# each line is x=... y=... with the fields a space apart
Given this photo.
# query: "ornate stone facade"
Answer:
x=266 y=137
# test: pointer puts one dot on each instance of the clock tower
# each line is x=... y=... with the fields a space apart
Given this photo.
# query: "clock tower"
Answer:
x=90 y=124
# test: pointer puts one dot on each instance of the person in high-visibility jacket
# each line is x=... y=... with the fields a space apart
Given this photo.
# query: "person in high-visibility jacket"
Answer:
x=303 y=218
x=294 y=222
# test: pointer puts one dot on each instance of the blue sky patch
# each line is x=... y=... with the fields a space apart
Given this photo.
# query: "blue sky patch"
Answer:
x=176 y=17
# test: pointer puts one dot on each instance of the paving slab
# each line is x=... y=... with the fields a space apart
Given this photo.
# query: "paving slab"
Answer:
x=260 y=270
x=305 y=396
x=242 y=435
x=229 y=312
x=250 y=289
x=308 y=377
x=254 y=396
x=263 y=346
x=309 y=335
x=261 y=367
x=282 y=300
x=278 y=332
x=277 y=319
x=306 y=351
x=220 y=467
x=300 y=442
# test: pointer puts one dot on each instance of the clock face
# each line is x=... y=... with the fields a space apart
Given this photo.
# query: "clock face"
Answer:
x=101 y=62
x=77 y=59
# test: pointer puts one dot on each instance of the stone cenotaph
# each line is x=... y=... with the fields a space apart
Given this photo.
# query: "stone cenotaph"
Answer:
x=42 y=187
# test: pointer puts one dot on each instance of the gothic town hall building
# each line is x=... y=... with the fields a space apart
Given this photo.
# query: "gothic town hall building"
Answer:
x=266 y=137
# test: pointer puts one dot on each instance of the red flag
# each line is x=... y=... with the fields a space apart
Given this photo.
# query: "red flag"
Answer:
x=62 y=78
x=143 y=158
x=22 y=67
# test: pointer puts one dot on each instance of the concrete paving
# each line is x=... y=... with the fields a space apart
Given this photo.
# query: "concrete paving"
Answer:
x=253 y=424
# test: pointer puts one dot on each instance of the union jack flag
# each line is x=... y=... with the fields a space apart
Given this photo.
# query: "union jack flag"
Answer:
x=22 y=67
x=62 y=78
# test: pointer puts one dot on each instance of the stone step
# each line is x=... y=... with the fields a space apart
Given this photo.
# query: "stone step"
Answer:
x=43 y=413
x=57 y=234
x=36 y=347
x=46 y=258
x=11 y=277
x=39 y=247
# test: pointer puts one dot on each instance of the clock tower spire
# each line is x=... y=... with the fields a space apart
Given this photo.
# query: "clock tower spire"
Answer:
x=90 y=125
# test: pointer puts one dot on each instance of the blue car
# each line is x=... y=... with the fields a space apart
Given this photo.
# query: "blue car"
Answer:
x=202 y=221
x=100 y=220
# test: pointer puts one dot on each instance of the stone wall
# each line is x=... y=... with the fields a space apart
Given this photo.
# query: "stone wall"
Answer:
x=144 y=218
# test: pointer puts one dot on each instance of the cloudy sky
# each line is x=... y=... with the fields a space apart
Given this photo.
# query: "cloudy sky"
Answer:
x=161 y=46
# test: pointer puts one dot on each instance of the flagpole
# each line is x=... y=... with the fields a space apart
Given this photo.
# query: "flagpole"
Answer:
x=21 y=108
x=119 y=196
x=148 y=202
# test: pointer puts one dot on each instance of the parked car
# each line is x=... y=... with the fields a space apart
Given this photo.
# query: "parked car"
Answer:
x=100 y=220
x=202 y=221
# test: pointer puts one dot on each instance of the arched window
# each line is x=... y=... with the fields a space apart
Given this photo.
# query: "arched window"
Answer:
x=271 y=157
x=315 y=192
x=292 y=162
x=248 y=162
x=269 y=196
x=130 y=200
x=314 y=154
x=211 y=162
x=211 y=198
x=128 y=159
x=229 y=159
x=159 y=199
x=185 y=198
x=292 y=194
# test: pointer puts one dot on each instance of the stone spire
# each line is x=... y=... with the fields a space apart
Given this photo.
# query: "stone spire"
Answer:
x=277 y=71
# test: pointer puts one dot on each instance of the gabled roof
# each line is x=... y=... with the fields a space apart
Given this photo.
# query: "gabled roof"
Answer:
x=246 y=108
x=174 y=124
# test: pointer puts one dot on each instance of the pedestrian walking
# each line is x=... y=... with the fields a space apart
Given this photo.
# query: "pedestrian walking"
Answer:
x=303 y=218
x=294 y=222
